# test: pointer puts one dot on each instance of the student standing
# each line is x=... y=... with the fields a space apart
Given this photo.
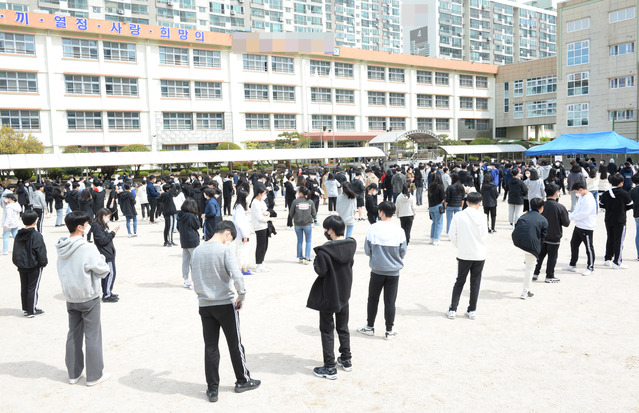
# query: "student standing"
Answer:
x=386 y=246
x=436 y=196
x=453 y=200
x=144 y=201
x=80 y=268
x=289 y=196
x=528 y=235
x=347 y=207
x=243 y=228
x=169 y=211
x=330 y=294
x=127 y=205
x=406 y=207
x=575 y=177
x=153 y=195
x=188 y=225
x=103 y=238
x=468 y=233
x=332 y=186
x=517 y=191
x=58 y=203
x=634 y=195
x=371 y=204
x=490 y=195
x=39 y=204
x=360 y=190
x=616 y=201
x=215 y=274
x=557 y=216
x=30 y=256
x=585 y=217
x=227 y=193
x=303 y=212
x=260 y=218
x=10 y=221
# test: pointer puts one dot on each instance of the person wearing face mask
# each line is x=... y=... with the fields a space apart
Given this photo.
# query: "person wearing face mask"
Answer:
x=371 y=203
x=585 y=217
x=80 y=268
x=303 y=213
x=216 y=279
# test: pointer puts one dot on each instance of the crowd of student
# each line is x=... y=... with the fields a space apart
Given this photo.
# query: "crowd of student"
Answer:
x=215 y=270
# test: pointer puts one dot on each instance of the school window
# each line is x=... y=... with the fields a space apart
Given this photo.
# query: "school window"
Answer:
x=396 y=75
x=481 y=103
x=174 y=148
x=17 y=43
x=541 y=108
x=174 y=56
x=442 y=102
x=376 y=123
x=258 y=121
x=376 y=73
x=255 y=92
x=320 y=67
x=208 y=90
x=398 y=123
x=541 y=85
x=318 y=122
x=621 y=15
x=518 y=110
x=177 y=120
x=578 y=84
x=424 y=77
x=20 y=119
x=469 y=123
x=377 y=98
x=82 y=85
x=282 y=64
x=506 y=100
x=621 y=49
x=396 y=99
x=465 y=102
x=284 y=121
x=577 y=114
x=206 y=58
x=621 y=115
x=621 y=82
x=344 y=96
x=175 y=89
x=123 y=120
x=77 y=120
x=425 y=123
x=577 y=25
x=482 y=124
x=210 y=121
x=441 y=79
x=345 y=123
x=424 y=101
x=481 y=82
x=80 y=49
x=321 y=95
x=465 y=81
x=122 y=52
x=121 y=86
x=283 y=93
x=255 y=62
x=344 y=70
x=442 y=124
x=578 y=53
x=26 y=82
x=518 y=88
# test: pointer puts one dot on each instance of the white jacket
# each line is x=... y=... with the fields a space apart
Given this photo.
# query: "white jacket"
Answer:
x=257 y=217
x=141 y=195
x=240 y=219
x=585 y=213
x=11 y=216
x=469 y=233
x=405 y=206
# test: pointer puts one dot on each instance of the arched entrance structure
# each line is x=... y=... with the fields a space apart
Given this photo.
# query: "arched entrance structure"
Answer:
x=422 y=138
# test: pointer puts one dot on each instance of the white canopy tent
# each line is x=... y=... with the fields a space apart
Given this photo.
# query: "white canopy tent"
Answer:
x=88 y=160
x=481 y=149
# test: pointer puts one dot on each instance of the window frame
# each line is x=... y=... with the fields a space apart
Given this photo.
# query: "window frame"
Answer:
x=257 y=121
x=282 y=64
x=110 y=82
x=92 y=122
x=174 y=56
x=88 y=85
x=121 y=54
x=26 y=120
x=18 y=39
x=205 y=120
x=213 y=90
x=24 y=82
x=170 y=88
x=289 y=120
x=207 y=58
x=177 y=120
x=256 y=92
x=127 y=118
x=86 y=49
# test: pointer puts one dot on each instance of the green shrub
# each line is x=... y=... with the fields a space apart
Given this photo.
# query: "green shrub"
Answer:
x=54 y=173
x=144 y=174
x=23 y=173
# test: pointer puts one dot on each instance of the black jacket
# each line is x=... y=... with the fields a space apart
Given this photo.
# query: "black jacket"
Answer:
x=634 y=195
x=371 y=206
x=290 y=193
x=530 y=231
x=517 y=189
x=127 y=203
x=72 y=199
x=358 y=187
x=188 y=225
x=98 y=200
x=86 y=206
x=168 y=206
x=29 y=250
x=334 y=266
x=616 y=205
x=557 y=217
x=104 y=241
x=227 y=188
x=436 y=195
x=455 y=195
x=198 y=196
x=489 y=195
x=313 y=186
x=59 y=201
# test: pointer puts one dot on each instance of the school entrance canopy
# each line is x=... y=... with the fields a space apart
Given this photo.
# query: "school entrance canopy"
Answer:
x=419 y=136
x=481 y=149
x=587 y=143
x=88 y=160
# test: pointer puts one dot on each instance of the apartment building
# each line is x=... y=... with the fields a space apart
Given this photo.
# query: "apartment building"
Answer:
x=105 y=84
x=495 y=32
x=371 y=25
x=597 y=67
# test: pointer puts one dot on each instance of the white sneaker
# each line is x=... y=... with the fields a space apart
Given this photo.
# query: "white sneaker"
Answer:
x=5 y=252
x=307 y=261
x=608 y=263
x=570 y=268
x=471 y=315
x=301 y=260
x=389 y=335
x=266 y=267
x=450 y=314
x=587 y=272
x=105 y=377
x=436 y=242
x=369 y=331
x=76 y=380
x=619 y=267
x=262 y=268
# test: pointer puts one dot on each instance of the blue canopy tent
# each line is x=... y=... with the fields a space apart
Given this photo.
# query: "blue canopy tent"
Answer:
x=587 y=143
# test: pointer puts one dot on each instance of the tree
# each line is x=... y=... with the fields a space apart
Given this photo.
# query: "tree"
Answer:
x=482 y=141
x=12 y=142
x=135 y=147
x=292 y=140
x=225 y=146
x=74 y=149
x=23 y=174
x=256 y=145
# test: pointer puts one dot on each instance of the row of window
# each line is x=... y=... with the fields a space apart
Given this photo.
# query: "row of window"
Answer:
x=535 y=109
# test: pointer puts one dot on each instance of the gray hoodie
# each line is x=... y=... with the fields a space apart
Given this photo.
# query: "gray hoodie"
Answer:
x=38 y=200
x=80 y=268
x=215 y=272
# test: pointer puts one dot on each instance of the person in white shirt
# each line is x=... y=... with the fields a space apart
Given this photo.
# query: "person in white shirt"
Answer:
x=585 y=217
x=241 y=221
x=469 y=234
x=260 y=217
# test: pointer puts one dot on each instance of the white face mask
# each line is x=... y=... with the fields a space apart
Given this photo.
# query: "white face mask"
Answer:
x=578 y=195
x=87 y=228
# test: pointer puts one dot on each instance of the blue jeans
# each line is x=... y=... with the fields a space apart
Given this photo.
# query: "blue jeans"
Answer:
x=59 y=220
x=304 y=231
x=419 y=195
x=438 y=223
x=349 y=230
x=5 y=237
x=450 y=211
x=135 y=224
x=637 y=236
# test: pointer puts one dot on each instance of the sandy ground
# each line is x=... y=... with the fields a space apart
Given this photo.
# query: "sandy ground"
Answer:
x=573 y=347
